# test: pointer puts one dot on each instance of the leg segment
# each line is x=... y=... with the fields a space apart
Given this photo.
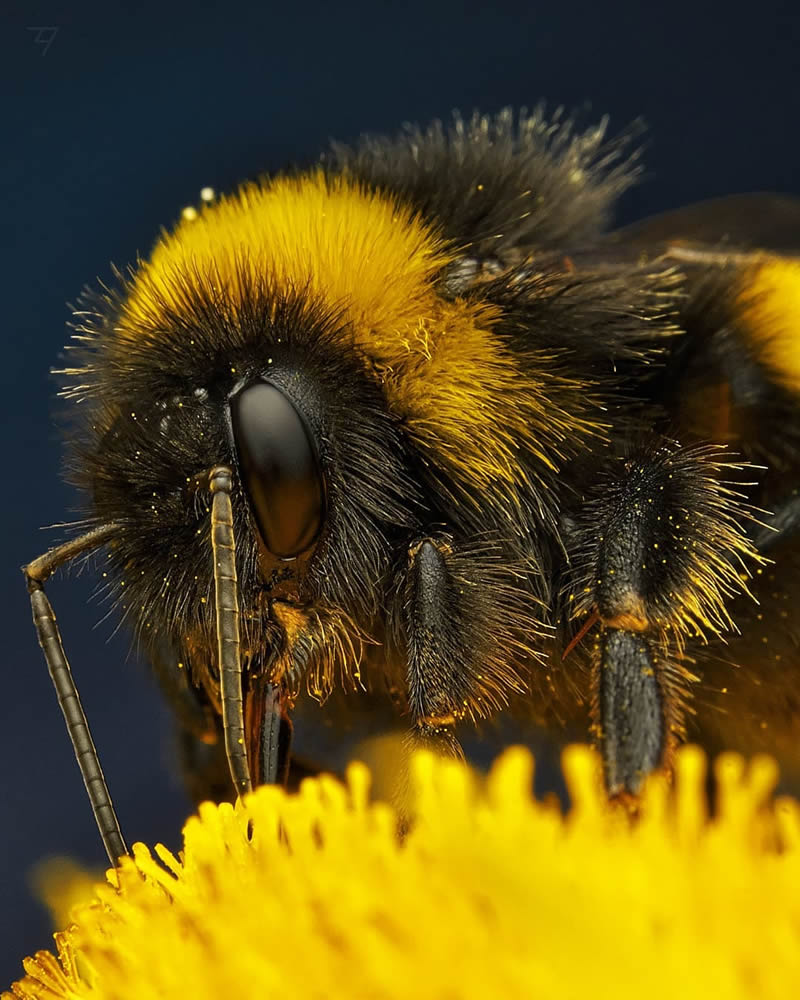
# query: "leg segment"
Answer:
x=434 y=694
x=660 y=549
x=631 y=706
x=466 y=625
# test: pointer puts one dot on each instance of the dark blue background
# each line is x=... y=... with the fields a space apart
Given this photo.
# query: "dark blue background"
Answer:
x=122 y=121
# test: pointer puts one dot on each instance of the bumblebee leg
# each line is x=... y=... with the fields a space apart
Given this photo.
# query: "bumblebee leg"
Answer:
x=465 y=620
x=630 y=710
x=634 y=710
x=432 y=674
x=661 y=551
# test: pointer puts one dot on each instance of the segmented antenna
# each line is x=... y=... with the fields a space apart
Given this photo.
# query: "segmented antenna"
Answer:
x=227 y=612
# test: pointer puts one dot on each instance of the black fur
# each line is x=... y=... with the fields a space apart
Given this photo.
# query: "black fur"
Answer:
x=141 y=476
x=493 y=183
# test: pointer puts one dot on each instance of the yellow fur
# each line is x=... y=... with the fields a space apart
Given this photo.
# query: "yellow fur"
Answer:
x=770 y=308
x=352 y=249
x=371 y=259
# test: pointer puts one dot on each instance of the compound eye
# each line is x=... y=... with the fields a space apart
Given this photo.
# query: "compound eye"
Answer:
x=280 y=469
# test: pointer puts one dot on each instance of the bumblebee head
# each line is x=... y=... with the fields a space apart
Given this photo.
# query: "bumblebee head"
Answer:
x=307 y=332
x=321 y=473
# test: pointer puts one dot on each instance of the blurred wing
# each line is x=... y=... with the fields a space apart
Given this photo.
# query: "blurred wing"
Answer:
x=753 y=221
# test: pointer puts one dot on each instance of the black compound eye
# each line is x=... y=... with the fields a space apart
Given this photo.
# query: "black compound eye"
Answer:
x=280 y=469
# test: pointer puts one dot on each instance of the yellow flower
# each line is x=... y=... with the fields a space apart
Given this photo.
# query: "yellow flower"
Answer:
x=492 y=894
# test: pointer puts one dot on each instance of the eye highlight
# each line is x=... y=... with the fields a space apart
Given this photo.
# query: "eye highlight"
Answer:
x=279 y=467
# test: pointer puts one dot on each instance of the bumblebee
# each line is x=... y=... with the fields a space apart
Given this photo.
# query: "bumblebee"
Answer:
x=414 y=421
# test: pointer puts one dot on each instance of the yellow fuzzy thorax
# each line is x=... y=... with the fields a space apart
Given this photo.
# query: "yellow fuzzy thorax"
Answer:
x=770 y=310
x=492 y=894
x=373 y=262
x=357 y=251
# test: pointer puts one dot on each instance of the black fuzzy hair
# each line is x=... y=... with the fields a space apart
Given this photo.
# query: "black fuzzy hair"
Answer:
x=150 y=418
x=497 y=182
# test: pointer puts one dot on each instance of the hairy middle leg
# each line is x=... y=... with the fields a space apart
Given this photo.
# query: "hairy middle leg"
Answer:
x=659 y=550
